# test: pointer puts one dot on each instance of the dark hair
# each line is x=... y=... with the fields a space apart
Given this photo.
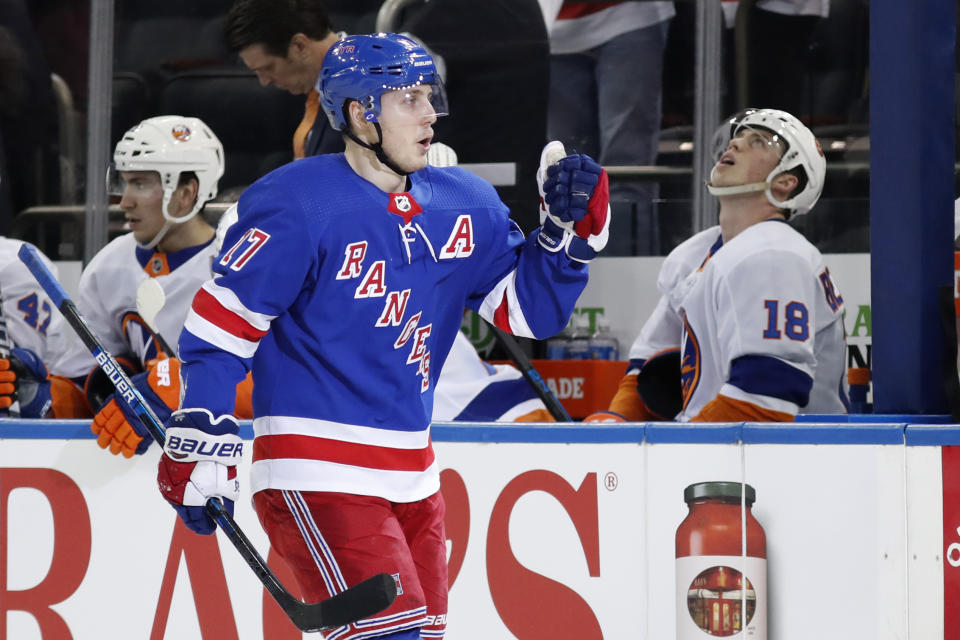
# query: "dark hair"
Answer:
x=272 y=23
x=801 y=176
x=187 y=176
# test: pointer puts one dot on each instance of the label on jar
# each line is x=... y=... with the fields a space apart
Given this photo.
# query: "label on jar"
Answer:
x=712 y=601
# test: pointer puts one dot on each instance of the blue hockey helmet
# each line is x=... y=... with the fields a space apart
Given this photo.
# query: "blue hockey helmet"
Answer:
x=364 y=67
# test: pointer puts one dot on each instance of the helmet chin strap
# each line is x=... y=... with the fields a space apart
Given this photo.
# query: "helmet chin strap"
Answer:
x=169 y=220
x=753 y=187
x=157 y=238
x=736 y=189
x=377 y=148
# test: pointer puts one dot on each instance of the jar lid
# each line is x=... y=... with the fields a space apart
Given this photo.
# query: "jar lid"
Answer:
x=729 y=490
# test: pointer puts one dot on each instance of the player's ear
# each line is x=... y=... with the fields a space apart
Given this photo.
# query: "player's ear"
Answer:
x=299 y=46
x=187 y=192
x=785 y=183
x=356 y=119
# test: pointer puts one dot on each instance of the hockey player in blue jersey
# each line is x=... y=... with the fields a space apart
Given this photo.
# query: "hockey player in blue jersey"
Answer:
x=341 y=287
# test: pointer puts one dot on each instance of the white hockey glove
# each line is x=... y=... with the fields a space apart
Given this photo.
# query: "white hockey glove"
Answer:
x=574 y=203
x=199 y=462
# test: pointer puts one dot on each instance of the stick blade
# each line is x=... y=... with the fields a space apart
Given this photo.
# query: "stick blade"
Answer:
x=359 y=601
x=150 y=300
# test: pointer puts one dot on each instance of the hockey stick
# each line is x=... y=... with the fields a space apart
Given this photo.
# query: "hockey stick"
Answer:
x=150 y=299
x=357 y=602
x=440 y=155
x=532 y=375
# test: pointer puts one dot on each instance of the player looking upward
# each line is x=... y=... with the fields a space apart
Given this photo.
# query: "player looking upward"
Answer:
x=341 y=287
x=749 y=324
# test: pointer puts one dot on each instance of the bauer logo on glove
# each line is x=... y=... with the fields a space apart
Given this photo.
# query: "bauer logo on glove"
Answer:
x=180 y=448
x=195 y=435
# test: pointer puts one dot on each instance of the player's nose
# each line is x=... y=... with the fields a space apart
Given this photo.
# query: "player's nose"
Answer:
x=126 y=200
x=428 y=114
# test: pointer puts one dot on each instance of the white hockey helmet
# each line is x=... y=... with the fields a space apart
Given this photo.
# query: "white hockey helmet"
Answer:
x=171 y=146
x=801 y=150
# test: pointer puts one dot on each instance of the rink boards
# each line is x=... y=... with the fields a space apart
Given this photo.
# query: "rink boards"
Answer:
x=551 y=530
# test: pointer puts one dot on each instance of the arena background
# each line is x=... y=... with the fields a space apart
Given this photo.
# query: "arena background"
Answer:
x=863 y=532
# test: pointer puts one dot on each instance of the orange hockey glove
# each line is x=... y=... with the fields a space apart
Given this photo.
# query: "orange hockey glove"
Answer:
x=119 y=429
x=24 y=379
x=626 y=405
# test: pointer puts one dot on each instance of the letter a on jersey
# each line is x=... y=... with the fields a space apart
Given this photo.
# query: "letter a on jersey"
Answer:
x=460 y=243
x=373 y=284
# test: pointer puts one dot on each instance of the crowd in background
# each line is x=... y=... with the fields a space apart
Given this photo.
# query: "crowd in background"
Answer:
x=614 y=80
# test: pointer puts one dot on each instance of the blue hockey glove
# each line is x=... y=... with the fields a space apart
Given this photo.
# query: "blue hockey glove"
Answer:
x=574 y=203
x=118 y=428
x=199 y=462
x=23 y=379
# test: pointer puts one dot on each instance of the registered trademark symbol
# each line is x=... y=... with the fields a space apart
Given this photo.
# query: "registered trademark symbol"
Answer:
x=610 y=481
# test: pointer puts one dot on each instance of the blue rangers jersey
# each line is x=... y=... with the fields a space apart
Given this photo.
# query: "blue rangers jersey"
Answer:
x=344 y=300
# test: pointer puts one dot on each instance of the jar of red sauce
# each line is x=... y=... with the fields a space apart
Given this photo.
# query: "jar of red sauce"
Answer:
x=720 y=590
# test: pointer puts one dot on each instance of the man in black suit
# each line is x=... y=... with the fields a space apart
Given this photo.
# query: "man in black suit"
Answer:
x=284 y=43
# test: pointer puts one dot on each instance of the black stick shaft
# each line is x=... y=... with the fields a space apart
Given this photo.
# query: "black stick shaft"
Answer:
x=164 y=345
x=360 y=601
x=532 y=375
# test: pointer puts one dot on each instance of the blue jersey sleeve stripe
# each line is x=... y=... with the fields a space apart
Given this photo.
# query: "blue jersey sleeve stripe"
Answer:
x=769 y=376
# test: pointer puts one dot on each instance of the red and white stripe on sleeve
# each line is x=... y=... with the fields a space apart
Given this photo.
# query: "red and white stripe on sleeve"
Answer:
x=502 y=308
x=217 y=316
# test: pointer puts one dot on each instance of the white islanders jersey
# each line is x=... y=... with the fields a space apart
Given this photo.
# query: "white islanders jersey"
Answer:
x=757 y=319
x=107 y=298
x=33 y=322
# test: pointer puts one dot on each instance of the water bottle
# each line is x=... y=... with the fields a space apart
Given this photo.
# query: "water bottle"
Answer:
x=579 y=345
x=603 y=345
x=557 y=345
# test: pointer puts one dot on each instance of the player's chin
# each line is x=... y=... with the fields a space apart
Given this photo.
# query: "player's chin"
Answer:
x=414 y=163
x=142 y=236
